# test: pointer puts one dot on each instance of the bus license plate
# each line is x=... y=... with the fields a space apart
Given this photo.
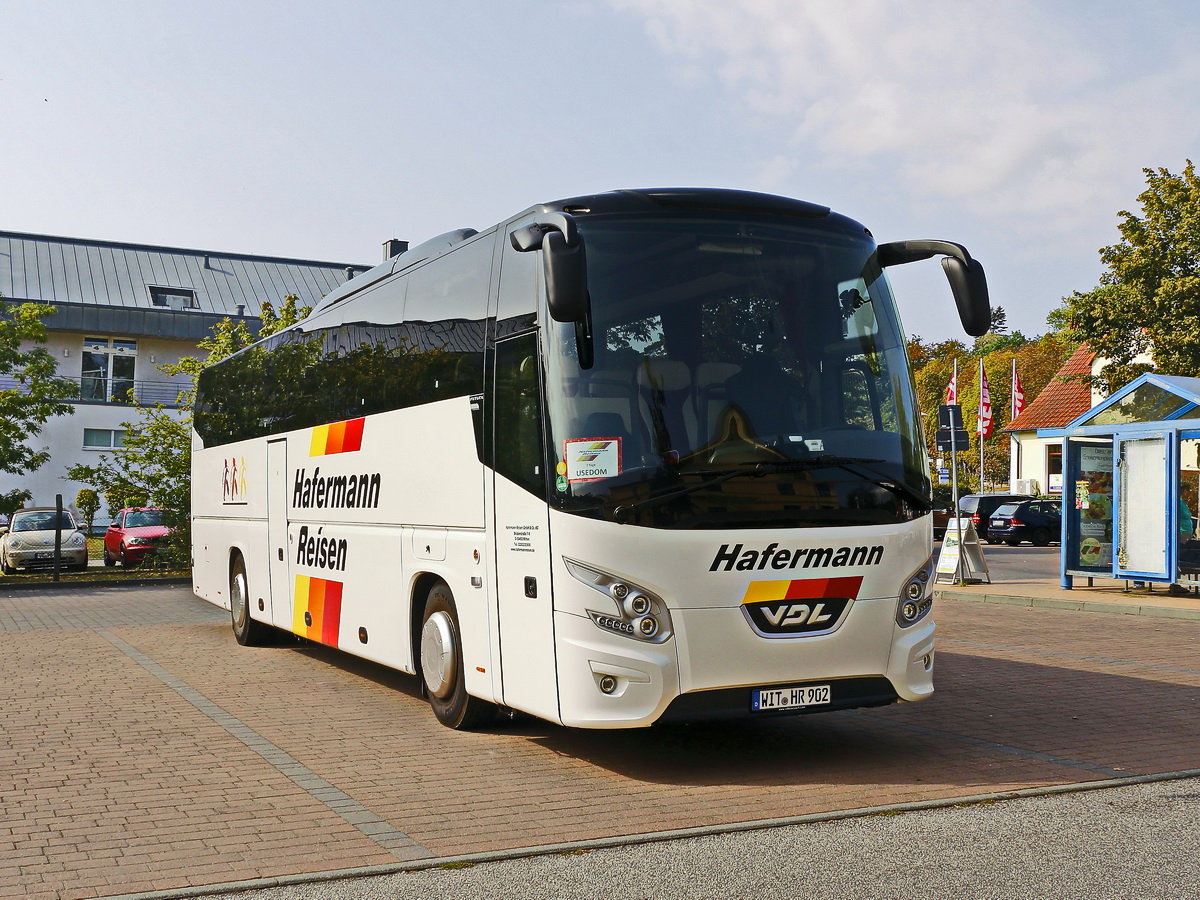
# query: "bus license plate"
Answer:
x=789 y=698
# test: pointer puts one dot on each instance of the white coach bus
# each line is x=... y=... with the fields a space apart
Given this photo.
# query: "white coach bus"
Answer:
x=625 y=457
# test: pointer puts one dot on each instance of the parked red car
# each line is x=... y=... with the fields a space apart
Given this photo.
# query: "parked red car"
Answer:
x=135 y=534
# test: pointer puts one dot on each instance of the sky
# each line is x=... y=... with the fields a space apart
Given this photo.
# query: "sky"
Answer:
x=320 y=130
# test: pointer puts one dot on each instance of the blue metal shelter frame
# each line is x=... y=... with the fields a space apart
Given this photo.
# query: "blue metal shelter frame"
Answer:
x=1153 y=415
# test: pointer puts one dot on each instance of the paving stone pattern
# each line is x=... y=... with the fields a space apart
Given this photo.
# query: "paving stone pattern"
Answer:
x=143 y=749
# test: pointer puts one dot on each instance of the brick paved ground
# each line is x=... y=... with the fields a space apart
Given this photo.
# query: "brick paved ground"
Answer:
x=143 y=749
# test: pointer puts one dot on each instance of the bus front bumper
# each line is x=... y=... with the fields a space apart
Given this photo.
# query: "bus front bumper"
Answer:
x=610 y=681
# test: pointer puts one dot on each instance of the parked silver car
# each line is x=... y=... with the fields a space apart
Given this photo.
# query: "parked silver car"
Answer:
x=28 y=541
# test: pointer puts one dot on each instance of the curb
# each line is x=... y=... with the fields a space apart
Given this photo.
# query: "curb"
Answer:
x=92 y=583
x=1101 y=606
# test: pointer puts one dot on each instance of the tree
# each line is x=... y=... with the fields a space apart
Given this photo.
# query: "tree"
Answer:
x=154 y=466
x=87 y=502
x=1148 y=300
x=11 y=501
x=31 y=393
x=1037 y=362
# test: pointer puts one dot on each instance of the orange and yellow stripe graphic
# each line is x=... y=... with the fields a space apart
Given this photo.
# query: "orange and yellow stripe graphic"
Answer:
x=317 y=609
x=337 y=437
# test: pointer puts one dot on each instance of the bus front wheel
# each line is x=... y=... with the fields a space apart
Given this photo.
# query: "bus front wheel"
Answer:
x=248 y=632
x=442 y=664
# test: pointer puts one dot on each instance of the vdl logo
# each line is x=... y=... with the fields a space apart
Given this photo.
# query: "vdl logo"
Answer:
x=805 y=606
x=233 y=482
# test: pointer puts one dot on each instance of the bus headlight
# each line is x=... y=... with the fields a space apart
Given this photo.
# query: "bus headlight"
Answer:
x=915 y=599
x=638 y=604
x=647 y=626
x=639 y=613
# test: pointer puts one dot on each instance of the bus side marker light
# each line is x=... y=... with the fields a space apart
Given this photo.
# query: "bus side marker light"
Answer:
x=362 y=635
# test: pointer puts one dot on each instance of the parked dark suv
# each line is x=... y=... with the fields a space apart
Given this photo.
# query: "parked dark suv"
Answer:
x=981 y=506
x=1036 y=521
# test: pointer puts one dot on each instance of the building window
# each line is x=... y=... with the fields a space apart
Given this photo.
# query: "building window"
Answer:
x=1054 y=468
x=172 y=297
x=103 y=438
x=107 y=373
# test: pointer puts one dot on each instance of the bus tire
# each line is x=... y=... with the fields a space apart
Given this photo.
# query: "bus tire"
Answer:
x=441 y=664
x=248 y=632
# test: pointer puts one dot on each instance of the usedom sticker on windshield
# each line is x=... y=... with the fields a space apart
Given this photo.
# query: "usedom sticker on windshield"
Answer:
x=590 y=459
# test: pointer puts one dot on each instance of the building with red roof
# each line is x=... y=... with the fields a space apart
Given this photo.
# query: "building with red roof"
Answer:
x=1035 y=465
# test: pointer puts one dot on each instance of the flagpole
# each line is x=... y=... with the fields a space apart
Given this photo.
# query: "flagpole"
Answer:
x=1012 y=393
x=979 y=426
x=1014 y=460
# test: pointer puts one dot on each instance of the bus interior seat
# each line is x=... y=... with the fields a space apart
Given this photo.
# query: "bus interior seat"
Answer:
x=607 y=425
x=711 y=394
x=767 y=396
x=666 y=405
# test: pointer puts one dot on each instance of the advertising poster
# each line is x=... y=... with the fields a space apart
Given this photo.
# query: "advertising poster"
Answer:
x=1094 y=506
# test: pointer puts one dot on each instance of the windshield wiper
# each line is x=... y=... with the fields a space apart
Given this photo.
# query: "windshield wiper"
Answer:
x=864 y=468
x=622 y=513
x=860 y=467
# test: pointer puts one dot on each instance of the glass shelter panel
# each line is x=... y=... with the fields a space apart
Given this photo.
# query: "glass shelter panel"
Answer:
x=1089 y=504
x=1145 y=403
x=1141 y=486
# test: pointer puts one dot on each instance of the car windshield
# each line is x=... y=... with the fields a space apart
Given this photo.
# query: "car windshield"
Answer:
x=41 y=522
x=1006 y=510
x=143 y=518
x=726 y=346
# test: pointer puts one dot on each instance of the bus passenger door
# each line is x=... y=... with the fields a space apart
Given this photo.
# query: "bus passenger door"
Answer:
x=279 y=609
x=522 y=532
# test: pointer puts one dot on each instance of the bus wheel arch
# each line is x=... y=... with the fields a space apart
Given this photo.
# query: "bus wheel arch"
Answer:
x=438 y=659
x=247 y=631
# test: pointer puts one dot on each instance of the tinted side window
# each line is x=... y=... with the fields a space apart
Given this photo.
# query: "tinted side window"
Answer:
x=418 y=339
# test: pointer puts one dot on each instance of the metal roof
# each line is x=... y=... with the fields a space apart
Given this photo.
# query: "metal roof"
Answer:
x=104 y=285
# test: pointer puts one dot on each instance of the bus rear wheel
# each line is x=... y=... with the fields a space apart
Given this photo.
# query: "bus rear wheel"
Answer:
x=248 y=632
x=442 y=664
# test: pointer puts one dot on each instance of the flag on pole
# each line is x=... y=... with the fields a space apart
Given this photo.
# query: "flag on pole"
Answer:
x=984 y=425
x=1018 y=393
x=952 y=387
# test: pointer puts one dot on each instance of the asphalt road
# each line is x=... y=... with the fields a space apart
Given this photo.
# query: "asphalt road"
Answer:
x=1131 y=842
x=1022 y=562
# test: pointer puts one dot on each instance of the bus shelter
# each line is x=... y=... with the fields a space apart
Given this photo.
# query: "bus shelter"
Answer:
x=1130 y=477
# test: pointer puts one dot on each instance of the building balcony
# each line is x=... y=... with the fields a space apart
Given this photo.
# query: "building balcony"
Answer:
x=116 y=391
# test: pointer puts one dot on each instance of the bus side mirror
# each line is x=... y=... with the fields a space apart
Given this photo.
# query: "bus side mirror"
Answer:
x=565 y=267
x=967 y=281
x=969 y=285
x=564 y=263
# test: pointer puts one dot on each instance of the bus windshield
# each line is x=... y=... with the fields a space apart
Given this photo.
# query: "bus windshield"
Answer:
x=749 y=372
